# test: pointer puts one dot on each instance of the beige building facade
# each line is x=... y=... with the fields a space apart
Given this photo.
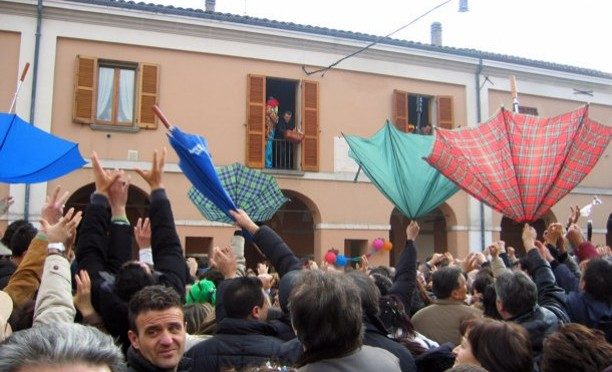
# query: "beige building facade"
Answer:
x=211 y=74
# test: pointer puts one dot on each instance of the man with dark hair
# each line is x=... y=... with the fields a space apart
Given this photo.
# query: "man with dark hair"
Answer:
x=20 y=241
x=10 y=263
x=243 y=337
x=328 y=322
x=375 y=331
x=539 y=304
x=283 y=148
x=157 y=330
x=592 y=305
x=441 y=321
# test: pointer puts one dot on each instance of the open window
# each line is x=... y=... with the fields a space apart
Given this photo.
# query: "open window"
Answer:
x=115 y=94
x=415 y=111
x=266 y=146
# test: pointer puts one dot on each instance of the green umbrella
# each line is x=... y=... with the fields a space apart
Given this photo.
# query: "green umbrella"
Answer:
x=393 y=161
x=255 y=192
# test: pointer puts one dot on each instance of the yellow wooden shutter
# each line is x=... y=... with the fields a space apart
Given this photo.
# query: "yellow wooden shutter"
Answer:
x=256 y=103
x=310 y=126
x=84 y=92
x=400 y=110
x=444 y=106
x=148 y=95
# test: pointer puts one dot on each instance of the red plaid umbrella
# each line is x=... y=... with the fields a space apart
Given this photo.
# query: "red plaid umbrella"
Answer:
x=521 y=165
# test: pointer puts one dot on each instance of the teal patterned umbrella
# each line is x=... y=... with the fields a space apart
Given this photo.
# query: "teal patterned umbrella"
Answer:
x=255 y=192
x=393 y=161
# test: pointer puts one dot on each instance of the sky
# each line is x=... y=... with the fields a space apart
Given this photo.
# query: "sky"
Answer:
x=575 y=33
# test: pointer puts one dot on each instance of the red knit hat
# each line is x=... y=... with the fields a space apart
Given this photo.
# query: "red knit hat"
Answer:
x=586 y=251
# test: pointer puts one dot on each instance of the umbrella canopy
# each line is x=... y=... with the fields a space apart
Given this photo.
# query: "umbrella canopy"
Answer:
x=521 y=165
x=255 y=192
x=393 y=161
x=30 y=155
x=197 y=165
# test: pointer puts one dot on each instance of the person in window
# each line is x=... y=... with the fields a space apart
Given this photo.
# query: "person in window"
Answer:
x=271 y=119
x=283 y=149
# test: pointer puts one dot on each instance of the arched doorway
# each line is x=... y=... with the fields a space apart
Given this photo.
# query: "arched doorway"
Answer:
x=432 y=236
x=294 y=222
x=137 y=204
x=512 y=231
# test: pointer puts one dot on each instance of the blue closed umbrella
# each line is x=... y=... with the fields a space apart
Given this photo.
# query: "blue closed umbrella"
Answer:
x=29 y=154
x=197 y=165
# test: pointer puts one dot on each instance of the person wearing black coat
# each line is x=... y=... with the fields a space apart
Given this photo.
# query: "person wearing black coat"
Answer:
x=104 y=248
x=243 y=337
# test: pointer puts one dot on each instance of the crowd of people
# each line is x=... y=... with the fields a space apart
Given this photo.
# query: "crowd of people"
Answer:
x=74 y=298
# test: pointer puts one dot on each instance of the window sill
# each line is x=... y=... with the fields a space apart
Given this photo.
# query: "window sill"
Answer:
x=114 y=128
x=283 y=172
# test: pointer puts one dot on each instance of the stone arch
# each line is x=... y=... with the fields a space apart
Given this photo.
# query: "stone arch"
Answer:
x=137 y=205
x=295 y=223
x=511 y=231
x=433 y=236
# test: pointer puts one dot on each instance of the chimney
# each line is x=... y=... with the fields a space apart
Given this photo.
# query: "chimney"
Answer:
x=210 y=5
x=436 y=34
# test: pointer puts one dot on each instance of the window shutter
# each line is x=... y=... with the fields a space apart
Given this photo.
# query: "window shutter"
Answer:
x=400 y=110
x=84 y=97
x=310 y=125
x=444 y=106
x=256 y=103
x=147 y=95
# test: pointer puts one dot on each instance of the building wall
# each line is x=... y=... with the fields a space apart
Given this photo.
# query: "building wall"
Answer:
x=203 y=83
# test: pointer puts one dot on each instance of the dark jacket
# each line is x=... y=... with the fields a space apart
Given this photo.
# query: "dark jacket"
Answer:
x=291 y=351
x=404 y=283
x=550 y=312
x=238 y=343
x=7 y=268
x=136 y=363
x=286 y=264
x=376 y=336
x=103 y=247
x=584 y=309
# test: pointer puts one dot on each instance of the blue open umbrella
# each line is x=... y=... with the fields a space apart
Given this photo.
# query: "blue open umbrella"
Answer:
x=197 y=165
x=29 y=154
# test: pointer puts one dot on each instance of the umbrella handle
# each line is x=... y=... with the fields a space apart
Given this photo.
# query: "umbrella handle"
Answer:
x=162 y=117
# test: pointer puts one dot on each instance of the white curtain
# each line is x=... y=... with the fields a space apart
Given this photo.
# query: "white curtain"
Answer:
x=105 y=93
x=126 y=96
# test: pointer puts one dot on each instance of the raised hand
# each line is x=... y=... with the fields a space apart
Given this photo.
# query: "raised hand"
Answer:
x=529 y=236
x=224 y=260
x=54 y=206
x=574 y=235
x=118 y=194
x=243 y=221
x=544 y=252
x=192 y=265
x=574 y=216
x=64 y=230
x=142 y=233
x=553 y=233
x=154 y=176
x=5 y=203
x=413 y=230
x=102 y=177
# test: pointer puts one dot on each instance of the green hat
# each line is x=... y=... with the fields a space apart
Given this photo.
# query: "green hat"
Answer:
x=202 y=292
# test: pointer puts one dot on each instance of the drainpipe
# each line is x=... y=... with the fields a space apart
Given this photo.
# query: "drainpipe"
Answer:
x=479 y=119
x=39 y=10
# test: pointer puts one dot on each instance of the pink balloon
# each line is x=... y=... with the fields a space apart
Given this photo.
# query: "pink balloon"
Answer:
x=377 y=244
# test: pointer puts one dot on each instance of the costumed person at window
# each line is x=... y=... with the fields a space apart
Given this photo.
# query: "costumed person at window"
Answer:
x=283 y=154
x=271 y=119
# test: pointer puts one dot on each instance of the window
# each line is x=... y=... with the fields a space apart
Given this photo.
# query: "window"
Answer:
x=113 y=94
x=303 y=96
x=528 y=110
x=417 y=109
x=198 y=245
